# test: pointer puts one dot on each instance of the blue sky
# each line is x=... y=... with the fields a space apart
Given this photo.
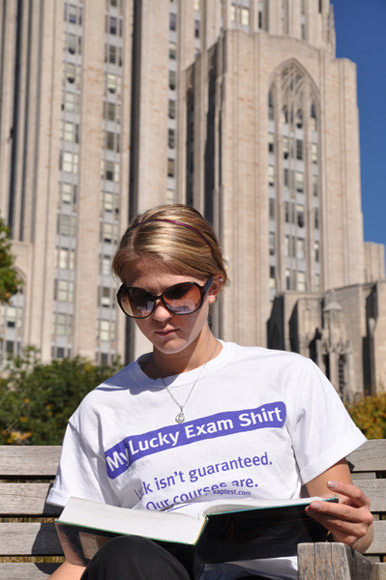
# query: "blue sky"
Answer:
x=361 y=37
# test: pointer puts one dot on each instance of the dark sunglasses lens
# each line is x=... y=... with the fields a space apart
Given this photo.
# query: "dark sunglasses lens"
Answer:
x=136 y=302
x=183 y=298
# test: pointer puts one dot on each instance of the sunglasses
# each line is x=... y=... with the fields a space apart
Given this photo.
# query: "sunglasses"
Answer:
x=183 y=298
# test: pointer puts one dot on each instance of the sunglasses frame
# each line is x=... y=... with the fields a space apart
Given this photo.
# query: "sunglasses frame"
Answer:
x=203 y=291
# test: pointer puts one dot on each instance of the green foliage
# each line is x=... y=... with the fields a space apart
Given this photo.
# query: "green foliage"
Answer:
x=9 y=280
x=369 y=414
x=37 y=399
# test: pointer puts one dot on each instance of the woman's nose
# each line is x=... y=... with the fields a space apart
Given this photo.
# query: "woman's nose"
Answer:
x=160 y=311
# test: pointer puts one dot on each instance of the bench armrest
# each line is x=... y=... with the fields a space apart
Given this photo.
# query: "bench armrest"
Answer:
x=327 y=560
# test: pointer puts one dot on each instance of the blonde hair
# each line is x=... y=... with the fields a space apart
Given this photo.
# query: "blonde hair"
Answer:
x=177 y=237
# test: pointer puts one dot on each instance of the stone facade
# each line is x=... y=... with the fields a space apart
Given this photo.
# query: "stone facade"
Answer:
x=230 y=87
x=374 y=261
x=241 y=109
x=342 y=330
x=62 y=92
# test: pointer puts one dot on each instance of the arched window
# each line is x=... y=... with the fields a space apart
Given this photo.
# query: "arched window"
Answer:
x=271 y=110
x=299 y=119
x=314 y=118
x=284 y=112
x=293 y=178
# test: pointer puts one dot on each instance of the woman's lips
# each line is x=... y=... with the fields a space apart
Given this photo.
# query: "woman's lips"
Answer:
x=165 y=332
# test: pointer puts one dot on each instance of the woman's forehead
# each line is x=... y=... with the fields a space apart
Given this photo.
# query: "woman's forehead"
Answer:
x=147 y=271
x=148 y=264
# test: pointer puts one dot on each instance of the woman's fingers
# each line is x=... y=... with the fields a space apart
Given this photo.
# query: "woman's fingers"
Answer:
x=348 y=520
x=354 y=494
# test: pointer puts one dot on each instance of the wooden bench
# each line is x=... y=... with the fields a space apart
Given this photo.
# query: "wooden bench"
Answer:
x=25 y=534
x=334 y=561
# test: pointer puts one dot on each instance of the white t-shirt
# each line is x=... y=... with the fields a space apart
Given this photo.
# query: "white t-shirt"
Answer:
x=259 y=423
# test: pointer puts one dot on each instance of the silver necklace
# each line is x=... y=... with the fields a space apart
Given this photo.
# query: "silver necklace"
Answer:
x=180 y=417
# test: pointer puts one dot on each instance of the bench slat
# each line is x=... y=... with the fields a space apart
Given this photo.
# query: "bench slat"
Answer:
x=376 y=490
x=26 y=571
x=370 y=457
x=42 y=460
x=379 y=542
x=29 y=498
x=25 y=499
x=26 y=539
x=25 y=460
x=381 y=571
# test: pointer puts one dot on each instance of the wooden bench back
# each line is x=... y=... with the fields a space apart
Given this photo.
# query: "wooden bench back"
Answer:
x=369 y=472
x=27 y=530
x=26 y=521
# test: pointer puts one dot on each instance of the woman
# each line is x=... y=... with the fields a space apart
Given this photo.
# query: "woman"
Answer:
x=197 y=415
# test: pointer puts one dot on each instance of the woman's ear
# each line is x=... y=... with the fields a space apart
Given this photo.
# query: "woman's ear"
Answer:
x=215 y=288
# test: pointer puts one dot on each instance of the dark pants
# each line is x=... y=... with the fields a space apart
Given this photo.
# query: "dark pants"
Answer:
x=135 y=558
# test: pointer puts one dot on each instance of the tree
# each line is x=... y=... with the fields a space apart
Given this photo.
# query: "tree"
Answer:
x=369 y=414
x=9 y=279
x=37 y=399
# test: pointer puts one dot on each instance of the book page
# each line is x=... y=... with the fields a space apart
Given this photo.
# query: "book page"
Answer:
x=200 y=509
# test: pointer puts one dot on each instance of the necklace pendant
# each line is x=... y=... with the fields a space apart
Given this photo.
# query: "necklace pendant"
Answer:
x=180 y=418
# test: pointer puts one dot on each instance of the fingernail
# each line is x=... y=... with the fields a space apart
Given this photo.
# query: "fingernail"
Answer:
x=332 y=484
x=316 y=505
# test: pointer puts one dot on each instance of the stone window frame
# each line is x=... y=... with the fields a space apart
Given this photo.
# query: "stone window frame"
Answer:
x=293 y=94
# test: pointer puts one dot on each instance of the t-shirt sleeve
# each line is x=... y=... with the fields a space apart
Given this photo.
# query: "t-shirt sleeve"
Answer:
x=81 y=472
x=323 y=433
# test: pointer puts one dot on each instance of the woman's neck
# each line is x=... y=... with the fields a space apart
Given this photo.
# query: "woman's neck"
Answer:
x=160 y=365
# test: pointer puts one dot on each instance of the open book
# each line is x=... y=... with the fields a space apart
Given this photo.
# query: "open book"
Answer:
x=196 y=532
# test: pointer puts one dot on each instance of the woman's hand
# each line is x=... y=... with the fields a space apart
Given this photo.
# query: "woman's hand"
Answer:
x=350 y=520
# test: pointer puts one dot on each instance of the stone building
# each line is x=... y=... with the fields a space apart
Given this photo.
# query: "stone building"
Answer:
x=274 y=158
x=342 y=330
x=239 y=107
